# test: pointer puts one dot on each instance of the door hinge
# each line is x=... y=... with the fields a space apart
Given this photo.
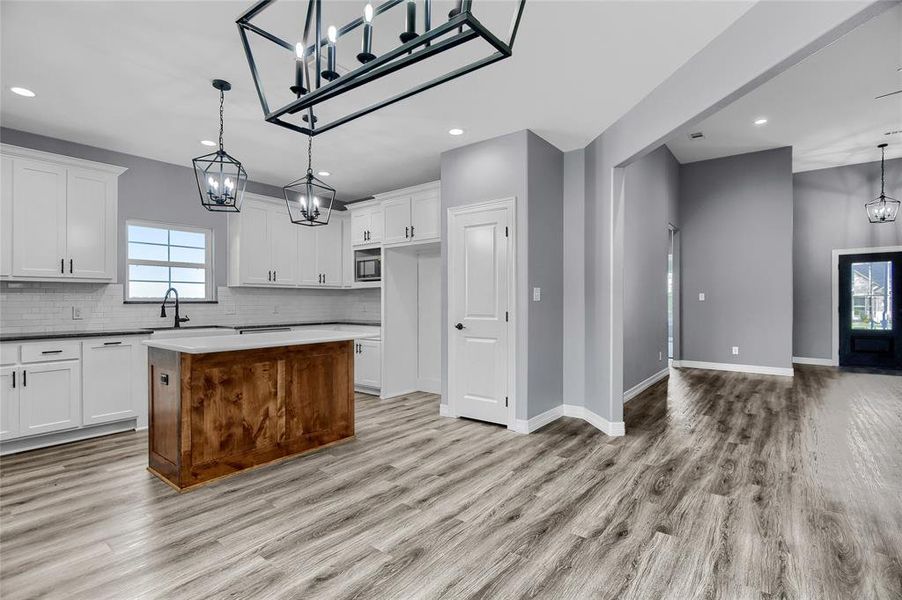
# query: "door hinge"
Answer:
x=506 y=316
x=506 y=231
x=505 y=401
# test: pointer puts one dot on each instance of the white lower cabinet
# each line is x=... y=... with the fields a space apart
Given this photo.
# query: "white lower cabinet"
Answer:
x=49 y=398
x=109 y=368
x=368 y=363
x=9 y=402
x=70 y=386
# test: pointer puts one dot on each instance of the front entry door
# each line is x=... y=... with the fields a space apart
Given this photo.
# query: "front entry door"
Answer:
x=478 y=283
x=869 y=313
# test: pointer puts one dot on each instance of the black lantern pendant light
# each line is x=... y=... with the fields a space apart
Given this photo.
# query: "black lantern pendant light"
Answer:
x=309 y=200
x=882 y=209
x=220 y=178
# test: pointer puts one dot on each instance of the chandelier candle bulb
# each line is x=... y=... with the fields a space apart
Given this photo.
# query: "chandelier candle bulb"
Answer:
x=330 y=73
x=410 y=22
x=298 y=88
x=366 y=51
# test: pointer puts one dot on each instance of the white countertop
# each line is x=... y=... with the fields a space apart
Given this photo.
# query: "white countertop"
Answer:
x=204 y=344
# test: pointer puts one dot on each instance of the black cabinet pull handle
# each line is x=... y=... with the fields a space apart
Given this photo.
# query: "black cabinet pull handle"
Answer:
x=52 y=352
x=24 y=378
x=406 y=232
x=70 y=265
x=111 y=343
x=269 y=276
x=411 y=232
x=63 y=266
x=274 y=276
x=14 y=380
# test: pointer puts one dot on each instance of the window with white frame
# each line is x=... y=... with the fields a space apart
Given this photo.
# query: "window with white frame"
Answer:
x=162 y=256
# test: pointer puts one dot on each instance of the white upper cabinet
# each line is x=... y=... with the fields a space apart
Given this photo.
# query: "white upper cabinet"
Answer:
x=91 y=224
x=396 y=214
x=366 y=224
x=411 y=216
x=59 y=217
x=267 y=250
x=39 y=219
x=6 y=216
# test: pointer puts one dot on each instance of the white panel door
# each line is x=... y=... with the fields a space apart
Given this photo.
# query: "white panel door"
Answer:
x=368 y=363
x=39 y=219
x=50 y=397
x=90 y=230
x=478 y=279
x=306 y=255
x=6 y=216
x=328 y=253
x=396 y=221
x=283 y=237
x=10 y=384
x=107 y=372
x=254 y=248
x=425 y=217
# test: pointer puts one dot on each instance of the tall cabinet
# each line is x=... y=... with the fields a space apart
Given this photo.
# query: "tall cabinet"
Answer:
x=59 y=217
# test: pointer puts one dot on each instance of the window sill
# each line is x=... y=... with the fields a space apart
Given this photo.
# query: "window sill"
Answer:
x=170 y=302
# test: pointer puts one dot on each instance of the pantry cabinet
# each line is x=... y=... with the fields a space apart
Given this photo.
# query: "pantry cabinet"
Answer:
x=59 y=217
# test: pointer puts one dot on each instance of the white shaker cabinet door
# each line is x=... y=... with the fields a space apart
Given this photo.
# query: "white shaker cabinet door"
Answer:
x=39 y=219
x=49 y=398
x=108 y=367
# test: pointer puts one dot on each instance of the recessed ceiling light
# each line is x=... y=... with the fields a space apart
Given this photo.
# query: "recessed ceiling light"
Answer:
x=208 y=142
x=22 y=92
x=760 y=121
x=324 y=173
x=456 y=131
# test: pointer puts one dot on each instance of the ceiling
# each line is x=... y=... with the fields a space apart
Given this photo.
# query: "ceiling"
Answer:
x=134 y=77
x=824 y=107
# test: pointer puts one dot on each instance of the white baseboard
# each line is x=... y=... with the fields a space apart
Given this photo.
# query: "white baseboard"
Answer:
x=538 y=421
x=64 y=437
x=445 y=411
x=804 y=360
x=644 y=385
x=612 y=428
x=758 y=369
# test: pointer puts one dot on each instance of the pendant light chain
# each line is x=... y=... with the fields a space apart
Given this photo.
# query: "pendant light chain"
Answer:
x=882 y=170
x=309 y=154
x=221 y=122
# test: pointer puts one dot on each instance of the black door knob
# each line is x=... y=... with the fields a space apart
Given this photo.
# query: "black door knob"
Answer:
x=459 y=326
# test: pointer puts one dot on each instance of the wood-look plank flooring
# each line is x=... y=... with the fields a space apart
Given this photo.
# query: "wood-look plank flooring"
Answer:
x=726 y=486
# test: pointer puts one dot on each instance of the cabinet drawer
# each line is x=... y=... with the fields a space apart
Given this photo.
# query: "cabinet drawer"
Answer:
x=9 y=354
x=47 y=351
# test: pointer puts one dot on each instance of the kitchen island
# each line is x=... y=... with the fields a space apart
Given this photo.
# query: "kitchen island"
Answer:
x=219 y=405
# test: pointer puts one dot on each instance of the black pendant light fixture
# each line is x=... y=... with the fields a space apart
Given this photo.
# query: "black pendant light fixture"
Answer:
x=220 y=178
x=325 y=82
x=882 y=209
x=309 y=199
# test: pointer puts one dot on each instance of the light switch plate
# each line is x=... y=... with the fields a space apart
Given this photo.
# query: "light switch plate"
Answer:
x=701 y=296
x=536 y=294
x=76 y=313
x=735 y=350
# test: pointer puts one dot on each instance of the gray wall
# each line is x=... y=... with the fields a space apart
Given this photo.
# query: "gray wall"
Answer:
x=736 y=215
x=523 y=166
x=574 y=322
x=545 y=173
x=828 y=214
x=652 y=191
x=151 y=190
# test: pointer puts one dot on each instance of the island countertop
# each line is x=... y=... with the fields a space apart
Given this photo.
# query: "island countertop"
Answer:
x=231 y=343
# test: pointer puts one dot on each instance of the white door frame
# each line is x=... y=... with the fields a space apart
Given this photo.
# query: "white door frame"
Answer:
x=835 y=292
x=510 y=204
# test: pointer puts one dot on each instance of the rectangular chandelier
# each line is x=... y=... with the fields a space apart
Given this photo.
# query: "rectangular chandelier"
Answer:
x=317 y=80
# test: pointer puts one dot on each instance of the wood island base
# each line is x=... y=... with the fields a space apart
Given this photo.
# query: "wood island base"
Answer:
x=217 y=414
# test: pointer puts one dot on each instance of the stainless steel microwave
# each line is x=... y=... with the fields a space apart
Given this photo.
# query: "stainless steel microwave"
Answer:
x=368 y=265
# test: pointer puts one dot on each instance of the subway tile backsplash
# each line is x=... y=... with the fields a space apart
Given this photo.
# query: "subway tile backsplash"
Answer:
x=47 y=307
